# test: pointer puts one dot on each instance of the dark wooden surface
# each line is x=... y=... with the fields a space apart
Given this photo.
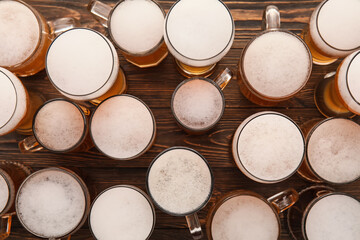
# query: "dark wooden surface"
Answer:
x=155 y=87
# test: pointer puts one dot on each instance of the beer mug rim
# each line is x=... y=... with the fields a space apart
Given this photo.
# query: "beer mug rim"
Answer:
x=160 y=207
x=130 y=187
x=347 y=77
x=11 y=197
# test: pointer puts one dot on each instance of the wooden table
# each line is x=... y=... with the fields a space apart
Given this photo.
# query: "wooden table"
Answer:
x=155 y=87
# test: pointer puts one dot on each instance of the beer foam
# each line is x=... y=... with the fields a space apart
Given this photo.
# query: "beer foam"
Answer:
x=244 y=217
x=122 y=127
x=197 y=35
x=122 y=212
x=50 y=203
x=198 y=104
x=277 y=64
x=20 y=33
x=335 y=30
x=59 y=125
x=179 y=181
x=137 y=26
x=333 y=150
x=82 y=64
x=334 y=217
x=4 y=193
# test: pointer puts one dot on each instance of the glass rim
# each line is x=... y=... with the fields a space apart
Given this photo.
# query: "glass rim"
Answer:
x=11 y=197
x=347 y=78
x=16 y=99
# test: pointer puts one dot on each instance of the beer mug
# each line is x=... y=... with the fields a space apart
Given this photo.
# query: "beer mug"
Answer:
x=25 y=37
x=198 y=103
x=83 y=65
x=244 y=214
x=136 y=27
x=268 y=147
x=52 y=203
x=123 y=211
x=180 y=183
x=18 y=105
x=59 y=126
x=198 y=34
x=274 y=65
x=12 y=174
x=333 y=30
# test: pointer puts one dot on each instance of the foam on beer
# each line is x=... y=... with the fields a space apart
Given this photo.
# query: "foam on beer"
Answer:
x=179 y=181
x=336 y=29
x=277 y=64
x=334 y=217
x=50 y=203
x=4 y=193
x=198 y=104
x=199 y=32
x=137 y=26
x=20 y=33
x=244 y=217
x=59 y=125
x=122 y=212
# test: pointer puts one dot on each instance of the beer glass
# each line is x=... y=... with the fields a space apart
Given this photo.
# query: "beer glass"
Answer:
x=123 y=211
x=244 y=214
x=83 y=65
x=11 y=176
x=136 y=27
x=52 y=203
x=268 y=147
x=59 y=126
x=333 y=30
x=180 y=183
x=123 y=127
x=18 y=105
x=198 y=103
x=274 y=65
x=25 y=37
x=198 y=34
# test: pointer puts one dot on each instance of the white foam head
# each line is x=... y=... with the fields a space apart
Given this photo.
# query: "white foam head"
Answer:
x=334 y=217
x=335 y=27
x=4 y=193
x=123 y=212
x=137 y=26
x=179 y=181
x=268 y=147
x=244 y=217
x=59 y=125
x=199 y=32
x=82 y=64
x=198 y=104
x=51 y=203
x=20 y=33
x=122 y=127
x=276 y=64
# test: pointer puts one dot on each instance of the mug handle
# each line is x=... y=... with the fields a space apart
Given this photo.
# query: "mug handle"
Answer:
x=224 y=78
x=283 y=200
x=29 y=145
x=61 y=25
x=194 y=226
x=271 y=18
x=5 y=226
x=100 y=12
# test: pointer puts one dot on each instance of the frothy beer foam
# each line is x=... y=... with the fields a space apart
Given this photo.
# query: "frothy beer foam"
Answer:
x=4 y=193
x=19 y=34
x=179 y=181
x=122 y=212
x=277 y=64
x=244 y=217
x=137 y=26
x=198 y=104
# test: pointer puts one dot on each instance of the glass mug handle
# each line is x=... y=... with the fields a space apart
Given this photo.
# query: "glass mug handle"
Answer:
x=283 y=200
x=5 y=226
x=271 y=18
x=100 y=11
x=223 y=78
x=194 y=226
x=61 y=25
x=29 y=145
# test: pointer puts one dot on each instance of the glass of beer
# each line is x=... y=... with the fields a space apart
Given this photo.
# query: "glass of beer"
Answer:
x=18 y=105
x=83 y=65
x=25 y=37
x=244 y=214
x=274 y=65
x=12 y=174
x=123 y=211
x=136 y=27
x=59 y=126
x=268 y=147
x=52 y=203
x=198 y=103
x=333 y=30
x=123 y=127
x=180 y=183
x=198 y=34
